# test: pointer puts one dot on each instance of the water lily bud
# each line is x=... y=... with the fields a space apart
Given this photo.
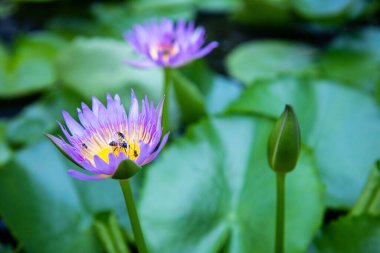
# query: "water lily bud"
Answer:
x=284 y=142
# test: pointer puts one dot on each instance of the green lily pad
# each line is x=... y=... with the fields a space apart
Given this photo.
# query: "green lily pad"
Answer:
x=5 y=151
x=213 y=189
x=322 y=8
x=31 y=66
x=189 y=99
x=94 y=66
x=115 y=18
x=360 y=41
x=340 y=124
x=222 y=92
x=269 y=59
x=351 y=235
x=264 y=13
x=53 y=212
x=40 y=117
x=353 y=68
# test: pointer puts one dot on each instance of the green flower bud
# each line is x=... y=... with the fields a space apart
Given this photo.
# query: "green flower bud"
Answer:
x=126 y=169
x=284 y=142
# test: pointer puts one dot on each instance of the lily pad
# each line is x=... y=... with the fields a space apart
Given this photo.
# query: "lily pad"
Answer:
x=213 y=189
x=322 y=8
x=31 y=68
x=351 y=235
x=360 y=41
x=94 y=66
x=56 y=211
x=353 y=68
x=269 y=59
x=340 y=124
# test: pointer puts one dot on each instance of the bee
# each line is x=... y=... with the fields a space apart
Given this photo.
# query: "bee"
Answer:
x=119 y=143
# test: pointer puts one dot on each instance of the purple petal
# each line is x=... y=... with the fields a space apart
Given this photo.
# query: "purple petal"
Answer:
x=134 y=109
x=82 y=176
x=68 y=150
x=74 y=127
x=207 y=49
x=144 y=152
x=102 y=166
x=88 y=118
x=154 y=154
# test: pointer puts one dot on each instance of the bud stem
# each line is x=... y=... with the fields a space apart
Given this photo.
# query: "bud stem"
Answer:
x=167 y=83
x=133 y=217
x=280 y=213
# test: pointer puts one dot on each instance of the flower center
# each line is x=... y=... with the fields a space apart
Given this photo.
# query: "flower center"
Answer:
x=103 y=153
x=167 y=50
x=132 y=151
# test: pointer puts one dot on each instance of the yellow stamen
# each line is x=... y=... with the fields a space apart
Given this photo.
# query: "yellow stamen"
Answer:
x=104 y=153
x=153 y=53
x=133 y=151
x=166 y=50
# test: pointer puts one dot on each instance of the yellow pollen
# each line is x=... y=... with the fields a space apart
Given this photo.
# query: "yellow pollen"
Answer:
x=166 y=50
x=133 y=151
x=103 y=153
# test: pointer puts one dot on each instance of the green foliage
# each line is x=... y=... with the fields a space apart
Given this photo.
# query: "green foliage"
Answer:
x=5 y=151
x=268 y=59
x=213 y=189
x=30 y=68
x=339 y=124
x=59 y=210
x=110 y=233
x=351 y=235
x=94 y=66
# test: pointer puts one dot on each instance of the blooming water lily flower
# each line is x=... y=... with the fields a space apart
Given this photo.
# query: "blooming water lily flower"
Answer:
x=107 y=138
x=167 y=44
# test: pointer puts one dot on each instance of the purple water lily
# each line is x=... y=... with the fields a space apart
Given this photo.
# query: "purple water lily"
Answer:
x=167 y=44
x=107 y=136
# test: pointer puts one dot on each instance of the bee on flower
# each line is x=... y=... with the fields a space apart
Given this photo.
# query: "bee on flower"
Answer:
x=106 y=136
x=165 y=43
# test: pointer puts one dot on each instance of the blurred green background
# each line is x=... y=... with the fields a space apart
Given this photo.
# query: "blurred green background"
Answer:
x=211 y=189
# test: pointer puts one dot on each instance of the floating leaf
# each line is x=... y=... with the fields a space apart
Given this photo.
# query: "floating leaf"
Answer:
x=5 y=151
x=53 y=213
x=188 y=97
x=93 y=67
x=214 y=189
x=354 y=68
x=40 y=117
x=268 y=59
x=360 y=41
x=351 y=235
x=340 y=124
x=31 y=67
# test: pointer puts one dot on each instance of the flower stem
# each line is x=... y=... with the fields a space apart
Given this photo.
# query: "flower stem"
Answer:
x=167 y=83
x=133 y=217
x=280 y=214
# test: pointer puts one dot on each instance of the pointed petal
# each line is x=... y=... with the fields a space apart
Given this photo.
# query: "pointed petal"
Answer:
x=102 y=166
x=134 y=109
x=74 y=127
x=82 y=176
x=154 y=154
x=207 y=49
x=97 y=107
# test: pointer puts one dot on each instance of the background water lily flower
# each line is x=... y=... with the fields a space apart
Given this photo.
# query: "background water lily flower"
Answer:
x=107 y=136
x=166 y=44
